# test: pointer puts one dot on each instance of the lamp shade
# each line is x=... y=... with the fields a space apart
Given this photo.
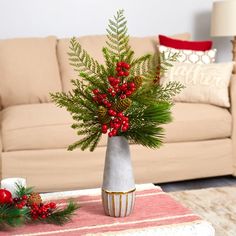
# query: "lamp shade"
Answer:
x=223 y=19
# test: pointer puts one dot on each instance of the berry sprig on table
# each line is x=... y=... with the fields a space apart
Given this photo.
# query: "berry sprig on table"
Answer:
x=28 y=206
x=116 y=101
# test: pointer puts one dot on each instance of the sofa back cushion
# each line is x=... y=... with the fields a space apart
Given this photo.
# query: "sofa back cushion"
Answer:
x=28 y=70
x=94 y=44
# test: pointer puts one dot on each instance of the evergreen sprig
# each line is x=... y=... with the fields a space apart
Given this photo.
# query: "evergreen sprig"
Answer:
x=150 y=105
x=22 y=190
x=12 y=216
x=61 y=216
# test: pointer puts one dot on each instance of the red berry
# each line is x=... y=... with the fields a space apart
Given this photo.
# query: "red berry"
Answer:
x=114 y=132
x=117 y=81
x=116 y=120
x=132 y=85
x=119 y=64
x=110 y=134
x=116 y=126
x=125 y=118
x=111 y=112
x=104 y=126
x=108 y=105
x=104 y=131
x=109 y=90
x=126 y=66
x=120 y=114
x=122 y=96
x=126 y=73
x=121 y=73
x=118 y=68
x=52 y=205
x=132 y=90
x=111 y=79
x=19 y=206
x=117 y=90
x=123 y=63
x=24 y=197
x=95 y=91
x=128 y=93
x=124 y=128
x=113 y=94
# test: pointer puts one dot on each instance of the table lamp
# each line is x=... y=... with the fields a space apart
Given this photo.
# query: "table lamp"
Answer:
x=223 y=22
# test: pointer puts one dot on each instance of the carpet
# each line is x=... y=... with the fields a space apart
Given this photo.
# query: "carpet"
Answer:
x=216 y=205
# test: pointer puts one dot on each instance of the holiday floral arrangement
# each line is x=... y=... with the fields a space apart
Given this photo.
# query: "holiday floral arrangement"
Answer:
x=122 y=97
x=27 y=207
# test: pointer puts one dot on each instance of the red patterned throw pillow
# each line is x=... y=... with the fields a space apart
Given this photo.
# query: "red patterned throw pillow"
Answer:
x=183 y=44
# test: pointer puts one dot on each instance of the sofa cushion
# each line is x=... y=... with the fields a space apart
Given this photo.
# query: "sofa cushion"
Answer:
x=28 y=70
x=94 y=44
x=44 y=126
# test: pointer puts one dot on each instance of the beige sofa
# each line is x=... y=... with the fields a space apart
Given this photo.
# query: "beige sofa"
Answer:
x=35 y=133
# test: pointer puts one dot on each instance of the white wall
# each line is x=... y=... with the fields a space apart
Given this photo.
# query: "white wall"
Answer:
x=63 y=18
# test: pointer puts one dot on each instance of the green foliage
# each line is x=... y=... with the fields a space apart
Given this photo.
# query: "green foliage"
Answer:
x=151 y=103
x=11 y=216
x=21 y=190
x=62 y=216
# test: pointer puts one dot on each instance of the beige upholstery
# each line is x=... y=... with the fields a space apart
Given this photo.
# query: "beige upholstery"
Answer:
x=94 y=44
x=192 y=122
x=233 y=112
x=28 y=70
x=195 y=122
x=57 y=169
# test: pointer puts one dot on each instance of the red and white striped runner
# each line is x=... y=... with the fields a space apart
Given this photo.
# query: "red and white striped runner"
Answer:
x=153 y=209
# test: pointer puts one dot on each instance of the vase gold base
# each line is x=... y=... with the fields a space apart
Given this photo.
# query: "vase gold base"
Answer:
x=118 y=204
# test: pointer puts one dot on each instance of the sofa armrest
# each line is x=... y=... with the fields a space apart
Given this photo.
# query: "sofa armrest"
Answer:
x=233 y=112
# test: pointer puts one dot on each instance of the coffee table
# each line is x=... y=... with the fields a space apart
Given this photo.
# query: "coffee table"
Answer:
x=155 y=213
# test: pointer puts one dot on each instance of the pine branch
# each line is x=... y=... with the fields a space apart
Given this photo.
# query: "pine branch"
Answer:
x=62 y=216
x=81 y=61
x=118 y=41
x=21 y=190
x=11 y=216
x=168 y=91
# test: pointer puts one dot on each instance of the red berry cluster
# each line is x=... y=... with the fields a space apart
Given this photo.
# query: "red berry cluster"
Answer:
x=125 y=89
x=101 y=99
x=122 y=68
x=41 y=211
x=122 y=89
x=119 y=121
x=20 y=202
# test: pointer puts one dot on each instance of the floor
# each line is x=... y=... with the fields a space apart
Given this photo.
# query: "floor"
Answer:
x=199 y=184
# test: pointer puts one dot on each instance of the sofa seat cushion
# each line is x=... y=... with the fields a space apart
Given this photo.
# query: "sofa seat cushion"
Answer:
x=45 y=126
x=38 y=126
x=195 y=122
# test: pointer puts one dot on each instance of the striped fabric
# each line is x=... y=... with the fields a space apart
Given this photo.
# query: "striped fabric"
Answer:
x=154 y=211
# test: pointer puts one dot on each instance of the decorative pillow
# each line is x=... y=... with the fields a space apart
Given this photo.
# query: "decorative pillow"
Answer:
x=183 y=44
x=191 y=56
x=203 y=83
x=28 y=70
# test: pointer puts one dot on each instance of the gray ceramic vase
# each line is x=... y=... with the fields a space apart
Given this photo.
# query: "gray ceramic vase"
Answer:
x=118 y=189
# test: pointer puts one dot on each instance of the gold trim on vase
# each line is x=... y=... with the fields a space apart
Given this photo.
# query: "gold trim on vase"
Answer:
x=110 y=192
